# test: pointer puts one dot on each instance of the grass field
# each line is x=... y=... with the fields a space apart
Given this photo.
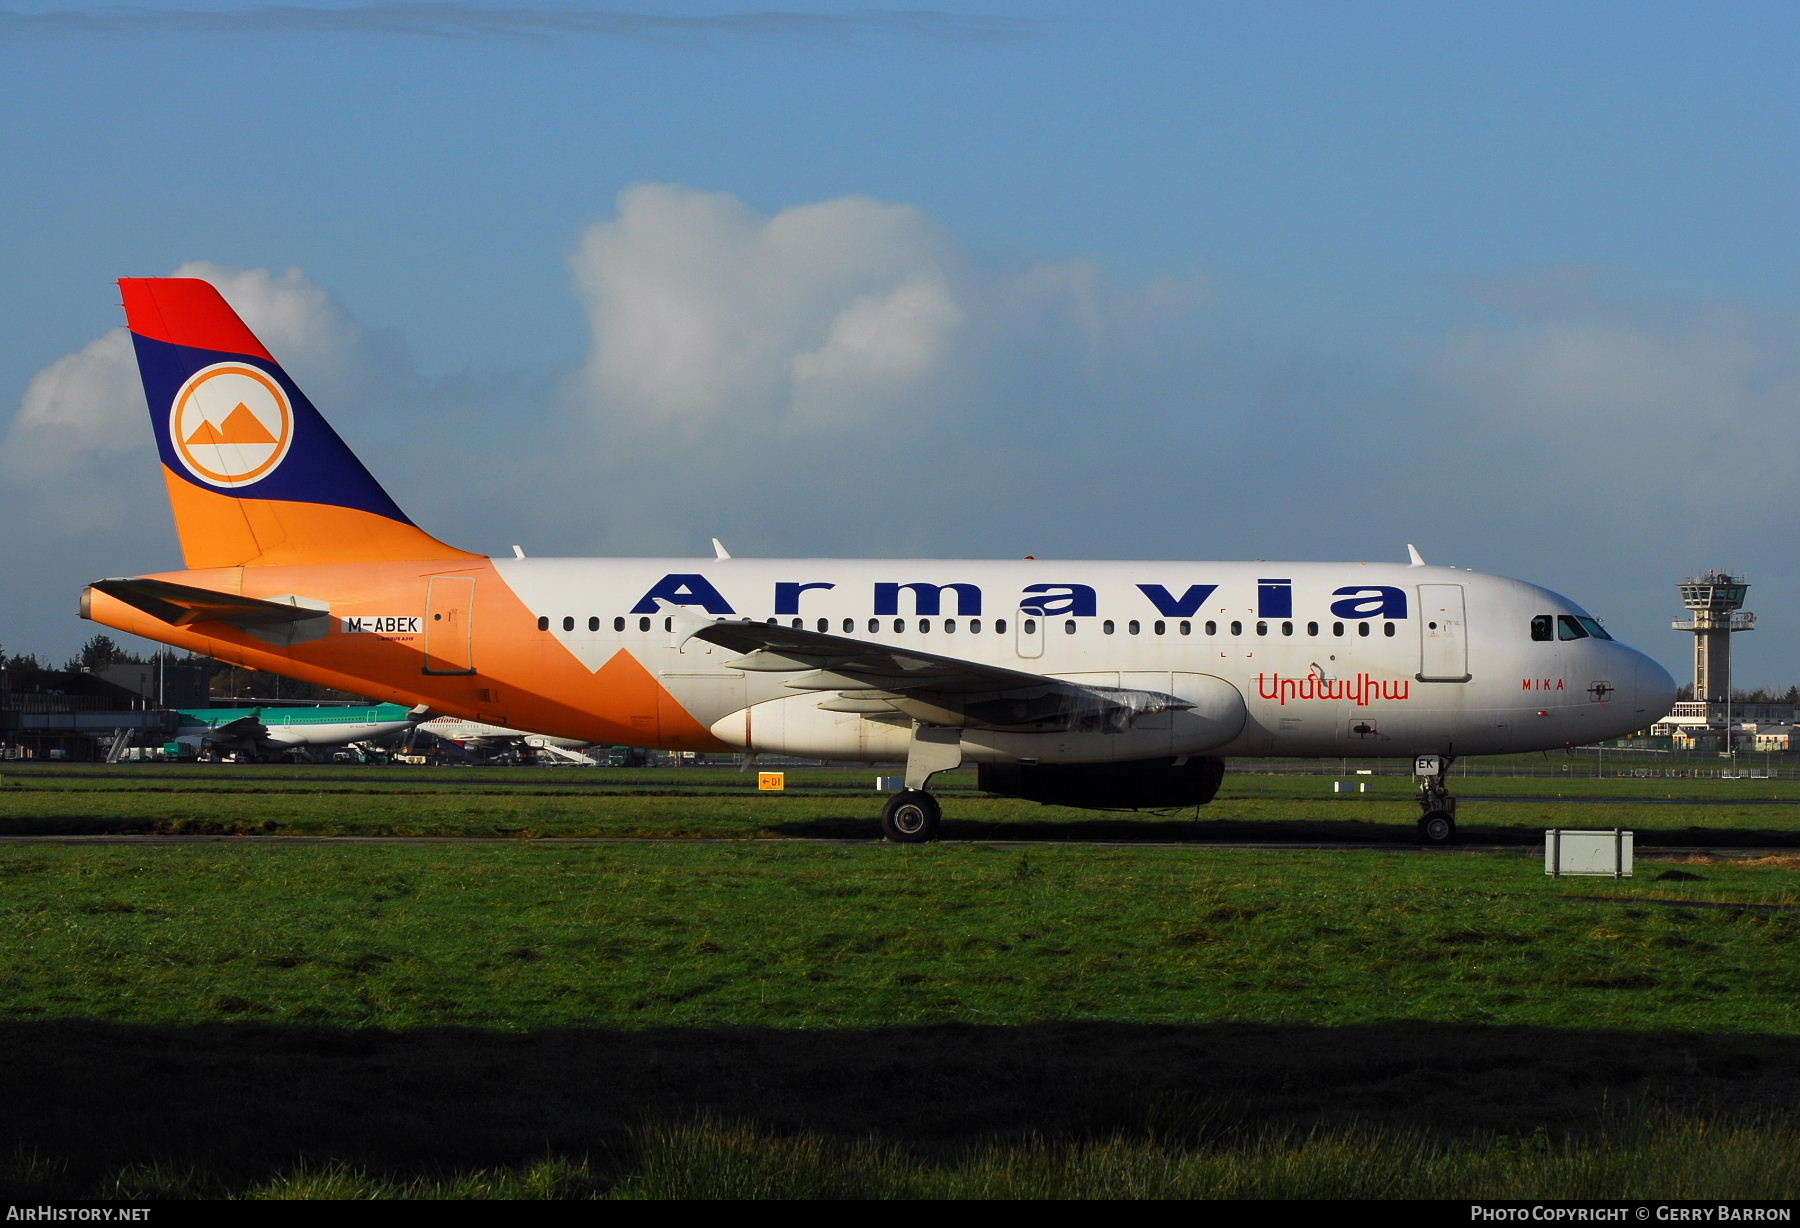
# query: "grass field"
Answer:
x=685 y=1018
x=841 y=804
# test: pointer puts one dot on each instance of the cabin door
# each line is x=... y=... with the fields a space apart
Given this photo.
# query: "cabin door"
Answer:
x=1443 y=634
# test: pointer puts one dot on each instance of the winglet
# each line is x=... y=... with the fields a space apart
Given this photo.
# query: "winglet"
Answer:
x=1412 y=551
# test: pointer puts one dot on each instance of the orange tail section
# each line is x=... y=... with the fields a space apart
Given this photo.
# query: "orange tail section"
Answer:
x=256 y=475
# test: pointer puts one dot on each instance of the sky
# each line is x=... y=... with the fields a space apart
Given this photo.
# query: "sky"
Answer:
x=1517 y=282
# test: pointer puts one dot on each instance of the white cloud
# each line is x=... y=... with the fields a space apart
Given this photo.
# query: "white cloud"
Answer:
x=703 y=311
x=1691 y=411
x=850 y=314
x=86 y=401
x=852 y=373
x=83 y=417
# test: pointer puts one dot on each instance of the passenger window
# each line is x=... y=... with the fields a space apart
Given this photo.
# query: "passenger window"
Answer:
x=568 y=624
x=1262 y=628
x=849 y=625
x=1568 y=629
x=644 y=624
x=1069 y=627
x=1158 y=627
x=1212 y=628
x=1388 y=629
x=974 y=626
x=949 y=626
x=1337 y=628
x=924 y=625
x=999 y=626
x=900 y=624
x=1312 y=628
x=874 y=625
x=1107 y=626
x=1287 y=628
x=619 y=623
x=1187 y=628
x=543 y=623
x=1237 y=628
x=1362 y=628
x=1131 y=628
x=593 y=624
x=1031 y=626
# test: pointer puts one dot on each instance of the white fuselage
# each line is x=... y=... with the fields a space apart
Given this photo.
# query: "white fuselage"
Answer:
x=1304 y=659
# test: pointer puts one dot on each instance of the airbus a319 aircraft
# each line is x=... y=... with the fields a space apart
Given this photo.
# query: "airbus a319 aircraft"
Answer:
x=1118 y=685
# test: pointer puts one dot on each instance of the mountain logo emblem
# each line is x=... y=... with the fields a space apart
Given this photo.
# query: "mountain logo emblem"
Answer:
x=231 y=424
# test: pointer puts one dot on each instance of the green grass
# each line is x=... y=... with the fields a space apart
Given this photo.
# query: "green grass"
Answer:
x=677 y=1018
x=799 y=936
x=834 y=803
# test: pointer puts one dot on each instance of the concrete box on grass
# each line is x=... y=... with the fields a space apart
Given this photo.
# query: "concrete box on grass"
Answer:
x=1587 y=852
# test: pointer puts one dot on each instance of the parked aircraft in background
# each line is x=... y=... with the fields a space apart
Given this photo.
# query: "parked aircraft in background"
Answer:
x=514 y=745
x=1101 y=684
x=266 y=734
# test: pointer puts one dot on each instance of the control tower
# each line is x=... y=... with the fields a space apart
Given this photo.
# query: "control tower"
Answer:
x=1716 y=600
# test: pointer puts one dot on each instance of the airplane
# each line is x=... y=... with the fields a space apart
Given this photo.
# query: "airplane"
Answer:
x=1115 y=685
x=266 y=734
x=515 y=745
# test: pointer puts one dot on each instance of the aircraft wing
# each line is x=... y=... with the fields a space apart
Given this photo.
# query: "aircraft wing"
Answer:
x=881 y=681
x=181 y=604
x=244 y=731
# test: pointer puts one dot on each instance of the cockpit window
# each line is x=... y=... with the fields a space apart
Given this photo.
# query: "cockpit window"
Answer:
x=1593 y=627
x=1541 y=627
x=1567 y=628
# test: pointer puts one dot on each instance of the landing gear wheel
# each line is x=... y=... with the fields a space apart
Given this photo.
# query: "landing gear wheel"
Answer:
x=911 y=817
x=1437 y=827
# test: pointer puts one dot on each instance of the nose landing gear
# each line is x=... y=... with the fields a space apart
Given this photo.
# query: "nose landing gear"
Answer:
x=1437 y=819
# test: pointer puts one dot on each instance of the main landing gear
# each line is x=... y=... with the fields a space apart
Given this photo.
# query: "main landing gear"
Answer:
x=1437 y=820
x=911 y=816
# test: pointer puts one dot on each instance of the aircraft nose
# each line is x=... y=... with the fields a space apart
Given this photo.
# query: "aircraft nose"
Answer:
x=1652 y=689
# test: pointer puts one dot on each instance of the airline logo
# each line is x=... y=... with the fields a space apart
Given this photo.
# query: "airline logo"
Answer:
x=231 y=424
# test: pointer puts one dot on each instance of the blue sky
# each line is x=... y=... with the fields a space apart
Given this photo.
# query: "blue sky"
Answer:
x=1516 y=282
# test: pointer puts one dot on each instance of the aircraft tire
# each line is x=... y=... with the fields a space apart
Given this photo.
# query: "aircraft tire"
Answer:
x=911 y=817
x=1436 y=828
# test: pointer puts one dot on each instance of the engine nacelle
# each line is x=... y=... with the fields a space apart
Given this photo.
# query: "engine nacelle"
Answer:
x=1142 y=784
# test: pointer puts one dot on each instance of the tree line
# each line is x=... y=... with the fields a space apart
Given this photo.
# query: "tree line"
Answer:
x=224 y=681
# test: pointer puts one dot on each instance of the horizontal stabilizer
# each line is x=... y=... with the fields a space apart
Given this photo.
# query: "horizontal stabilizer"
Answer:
x=182 y=605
